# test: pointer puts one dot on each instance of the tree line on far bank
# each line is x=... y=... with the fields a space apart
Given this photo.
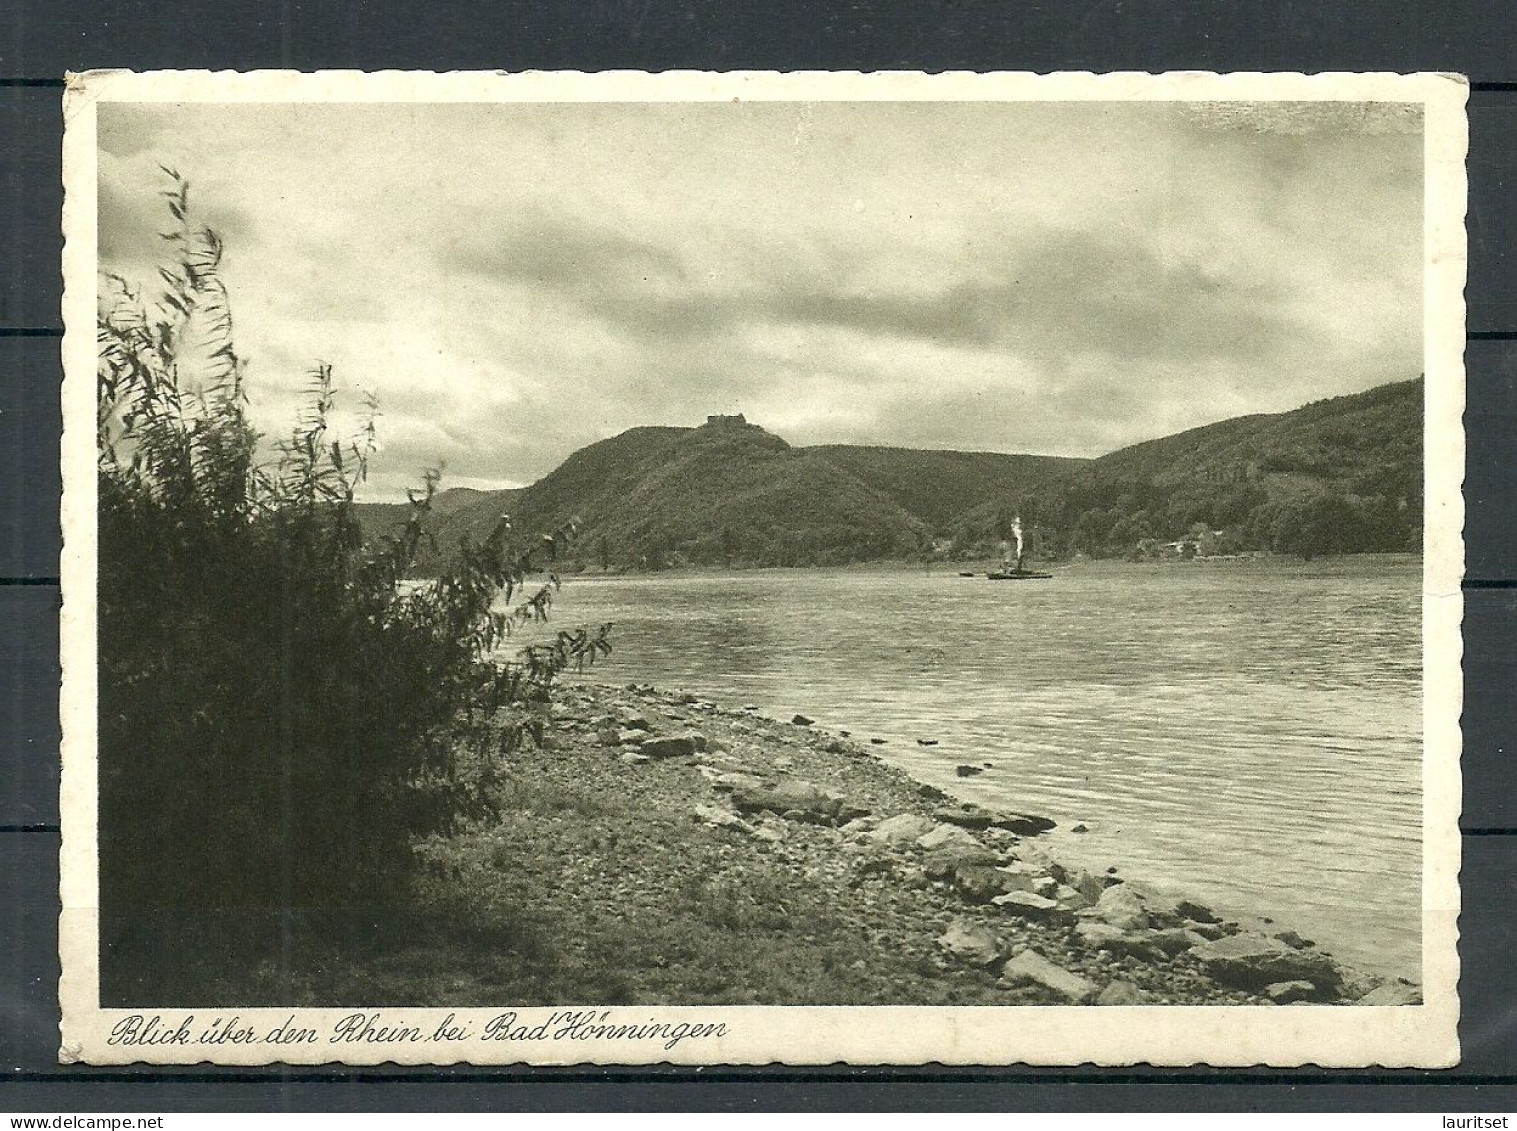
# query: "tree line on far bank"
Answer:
x=1335 y=477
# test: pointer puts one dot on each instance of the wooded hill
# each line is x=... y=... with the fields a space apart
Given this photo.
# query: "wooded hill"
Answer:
x=731 y=493
x=1335 y=476
x=1340 y=475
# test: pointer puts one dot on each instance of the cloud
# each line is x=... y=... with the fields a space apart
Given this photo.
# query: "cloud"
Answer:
x=515 y=282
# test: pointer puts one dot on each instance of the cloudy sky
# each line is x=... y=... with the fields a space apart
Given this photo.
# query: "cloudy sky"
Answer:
x=516 y=281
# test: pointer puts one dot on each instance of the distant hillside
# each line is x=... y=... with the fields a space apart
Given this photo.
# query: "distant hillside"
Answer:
x=938 y=486
x=1336 y=476
x=725 y=493
x=389 y=517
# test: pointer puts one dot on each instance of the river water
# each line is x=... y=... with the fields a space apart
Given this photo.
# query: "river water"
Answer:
x=1245 y=733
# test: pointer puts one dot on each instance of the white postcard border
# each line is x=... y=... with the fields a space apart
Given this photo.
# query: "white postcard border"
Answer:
x=1163 y=1035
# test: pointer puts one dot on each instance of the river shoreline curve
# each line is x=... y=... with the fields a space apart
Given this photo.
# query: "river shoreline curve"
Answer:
x=674 y=851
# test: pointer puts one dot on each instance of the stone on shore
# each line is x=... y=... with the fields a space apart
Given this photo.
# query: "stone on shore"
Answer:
x=1121 y=907
x=943 y=835
x=971 y=943
x=1252 y=962
x=967 y=817
x=1283 y=993
x=733 y=781
x=632 y=759
x=674 y=746
x=1176 y=940
x=1354 y=984
x=1103 y=936
x=968 y=771
x=1067 y=896
x=1090 y=887
x=802 y=721
x=1208 y=931
x=1030 y=966
x=1023 y=824
x=1022 y=875
x=1393 y=993
x=1030 y=905
x=722 y=818
x=1120 y=993
x=1196 y=912
x=942 y=863
x=859 y=827
x=978 y=883
x=901 y=830
x=794 y=796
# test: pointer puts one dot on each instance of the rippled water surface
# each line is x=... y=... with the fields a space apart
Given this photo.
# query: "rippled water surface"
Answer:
x=1246 y=733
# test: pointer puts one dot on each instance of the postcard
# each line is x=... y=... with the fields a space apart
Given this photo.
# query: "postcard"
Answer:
x=750 y=568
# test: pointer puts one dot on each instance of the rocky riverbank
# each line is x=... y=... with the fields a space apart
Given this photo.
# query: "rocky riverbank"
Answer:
x=661 y=849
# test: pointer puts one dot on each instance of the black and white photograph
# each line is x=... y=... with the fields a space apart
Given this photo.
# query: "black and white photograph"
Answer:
x=762 y=568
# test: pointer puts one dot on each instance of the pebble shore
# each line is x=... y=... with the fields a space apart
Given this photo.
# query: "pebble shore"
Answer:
x=677 y=851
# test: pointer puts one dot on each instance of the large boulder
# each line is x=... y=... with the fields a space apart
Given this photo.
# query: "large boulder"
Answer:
x=1030 y=966
x=971 y=943
x=1252 y=962
x=901 y=830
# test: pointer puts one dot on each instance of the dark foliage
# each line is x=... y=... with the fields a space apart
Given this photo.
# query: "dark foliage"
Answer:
x=1337 y=476
x=280 y=711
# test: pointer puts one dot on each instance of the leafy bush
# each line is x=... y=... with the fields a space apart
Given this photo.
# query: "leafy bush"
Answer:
x=280 y=712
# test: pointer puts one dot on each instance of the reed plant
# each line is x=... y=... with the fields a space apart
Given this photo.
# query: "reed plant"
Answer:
x=281 y=712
